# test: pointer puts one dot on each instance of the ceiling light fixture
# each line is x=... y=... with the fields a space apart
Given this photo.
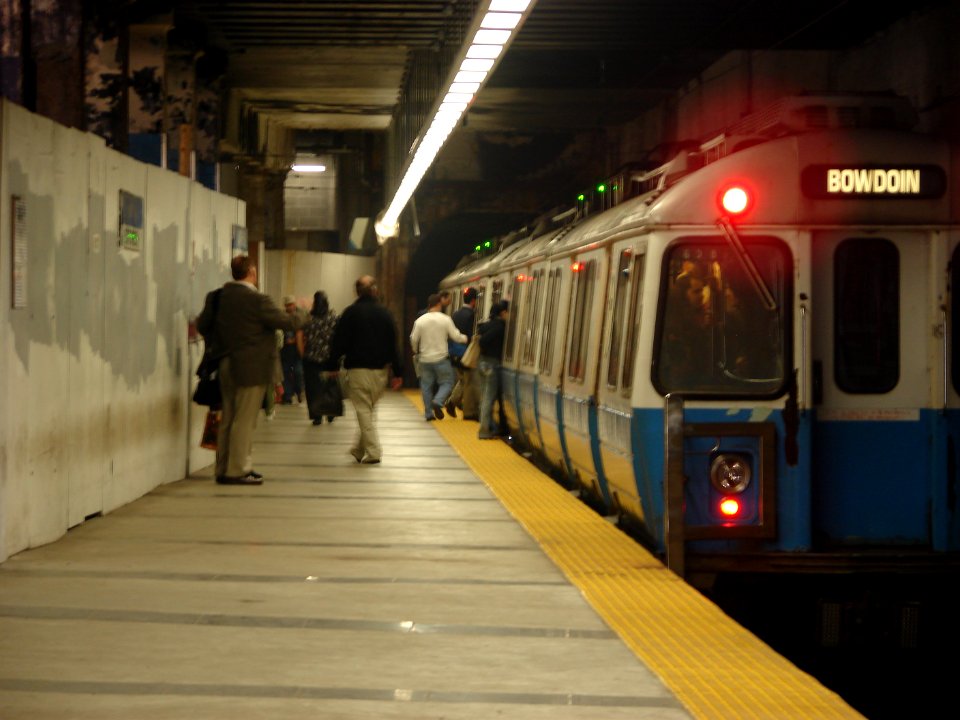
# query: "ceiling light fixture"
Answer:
x=494 y=26
x=309 y=168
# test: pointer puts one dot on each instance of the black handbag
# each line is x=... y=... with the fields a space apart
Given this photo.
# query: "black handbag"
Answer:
x=208 y=386
x=327 y=399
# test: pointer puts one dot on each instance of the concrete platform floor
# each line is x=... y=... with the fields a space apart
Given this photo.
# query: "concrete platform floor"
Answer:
x=335 y=591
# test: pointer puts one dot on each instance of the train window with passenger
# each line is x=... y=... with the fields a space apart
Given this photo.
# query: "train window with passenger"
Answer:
x=531 y=319
x=619 y=312
x=550 y=322
x=721 y=329
x=584 y=274
x=866 y=315
x=633 y=323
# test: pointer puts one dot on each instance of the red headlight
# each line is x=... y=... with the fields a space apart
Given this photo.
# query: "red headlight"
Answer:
x=735 y=200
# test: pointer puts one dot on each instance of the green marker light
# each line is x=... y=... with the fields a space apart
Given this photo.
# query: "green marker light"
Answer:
x=477 y=249
x=601 y=188
x=487 y=244
x=580 y=197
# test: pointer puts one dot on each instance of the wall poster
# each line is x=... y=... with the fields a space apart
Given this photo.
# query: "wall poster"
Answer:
x=131 y=221
x=19 y=247
x=238 y=240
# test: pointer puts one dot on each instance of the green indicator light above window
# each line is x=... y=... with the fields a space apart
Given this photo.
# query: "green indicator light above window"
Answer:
x=601 y=188
x=477 y=248
x=580 y=197
x=487 y=244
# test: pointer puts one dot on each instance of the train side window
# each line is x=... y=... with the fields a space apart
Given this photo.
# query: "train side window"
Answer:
x=497 y=292
x=583 y=282
x=866 y=315
x=616 y=323
x=550 y=323
x=633 y=322
x=519 y=304
x=531 y=321
x=954 y=316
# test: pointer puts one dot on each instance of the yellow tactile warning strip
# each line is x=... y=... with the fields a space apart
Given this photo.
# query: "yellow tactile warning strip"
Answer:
x=715 y=667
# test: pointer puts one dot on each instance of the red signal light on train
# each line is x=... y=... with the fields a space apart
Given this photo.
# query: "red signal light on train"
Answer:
x=576 y=267
x=729 y=507
x=735 y=200
x=521 y=277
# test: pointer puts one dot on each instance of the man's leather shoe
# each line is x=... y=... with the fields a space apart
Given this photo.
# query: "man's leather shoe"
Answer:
x=241 y=480
x=438 y=412
x=255 y=474
x=451 y=409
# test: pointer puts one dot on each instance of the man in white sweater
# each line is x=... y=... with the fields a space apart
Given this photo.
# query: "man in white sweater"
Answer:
x=429 y=339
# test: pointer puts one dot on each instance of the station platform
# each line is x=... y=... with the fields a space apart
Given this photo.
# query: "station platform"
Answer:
x=453 y=580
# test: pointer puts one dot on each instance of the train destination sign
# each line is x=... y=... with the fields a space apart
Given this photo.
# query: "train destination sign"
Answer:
x=847 y=181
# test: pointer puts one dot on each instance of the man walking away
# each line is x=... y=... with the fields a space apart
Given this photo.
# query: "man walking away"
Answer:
x=242 y=331
x=429 y=337
x=365 y=338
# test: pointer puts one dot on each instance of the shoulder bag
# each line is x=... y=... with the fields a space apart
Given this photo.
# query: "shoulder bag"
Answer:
x=472 y=353
x=208 y=372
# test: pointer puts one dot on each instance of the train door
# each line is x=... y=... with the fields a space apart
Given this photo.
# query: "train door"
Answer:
x=530 y=319
x=589 y=273
x=549 y=404
x=615 y=382
x=947 y=531
x=874 y=373
x=519 y=301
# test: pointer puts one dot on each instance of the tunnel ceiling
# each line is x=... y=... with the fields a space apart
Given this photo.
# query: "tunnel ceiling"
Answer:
x=326 y=64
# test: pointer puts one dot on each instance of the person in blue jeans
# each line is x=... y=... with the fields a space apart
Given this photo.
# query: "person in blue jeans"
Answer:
x=429 y=337
x=492 y=334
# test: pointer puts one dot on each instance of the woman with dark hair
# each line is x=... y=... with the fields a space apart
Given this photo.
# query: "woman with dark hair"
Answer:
x=322 y=397
x=492 y=334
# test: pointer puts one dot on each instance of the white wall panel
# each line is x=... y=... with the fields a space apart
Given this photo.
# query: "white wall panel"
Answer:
x=96 y=370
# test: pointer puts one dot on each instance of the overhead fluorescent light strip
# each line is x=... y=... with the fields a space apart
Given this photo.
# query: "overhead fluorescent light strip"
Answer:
x=497 y=26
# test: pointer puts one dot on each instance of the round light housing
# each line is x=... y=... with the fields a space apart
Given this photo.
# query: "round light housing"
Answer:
x=735 y=200
x=730 y=473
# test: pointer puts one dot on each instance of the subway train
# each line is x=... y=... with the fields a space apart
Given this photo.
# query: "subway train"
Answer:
x=750 y=355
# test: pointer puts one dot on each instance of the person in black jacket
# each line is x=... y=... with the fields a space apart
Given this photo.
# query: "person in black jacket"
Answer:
x=464 y=394
x=492 y=334
x=365 y=338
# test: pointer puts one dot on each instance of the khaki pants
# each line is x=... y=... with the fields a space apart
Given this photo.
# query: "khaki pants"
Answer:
x=466 y=395
x=366 y=387
x=237 y=423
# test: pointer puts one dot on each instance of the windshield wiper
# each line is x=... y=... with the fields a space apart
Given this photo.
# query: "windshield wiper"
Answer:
x=759 y=284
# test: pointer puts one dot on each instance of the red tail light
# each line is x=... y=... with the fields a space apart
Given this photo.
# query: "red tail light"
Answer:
x=729 y=507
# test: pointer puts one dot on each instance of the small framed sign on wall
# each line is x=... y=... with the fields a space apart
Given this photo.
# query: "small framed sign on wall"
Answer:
x=131 y=221
x=19 y=249
x=238 y=240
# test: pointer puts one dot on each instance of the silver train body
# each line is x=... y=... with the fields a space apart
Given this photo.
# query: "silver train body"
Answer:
x=771 y=379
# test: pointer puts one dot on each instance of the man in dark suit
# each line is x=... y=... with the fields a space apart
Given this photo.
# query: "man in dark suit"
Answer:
x=239 y=323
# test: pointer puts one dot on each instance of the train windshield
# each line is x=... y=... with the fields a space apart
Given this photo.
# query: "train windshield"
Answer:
x=717 y=333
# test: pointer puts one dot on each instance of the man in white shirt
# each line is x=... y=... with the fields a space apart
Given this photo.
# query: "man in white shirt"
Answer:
x=429 y=342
